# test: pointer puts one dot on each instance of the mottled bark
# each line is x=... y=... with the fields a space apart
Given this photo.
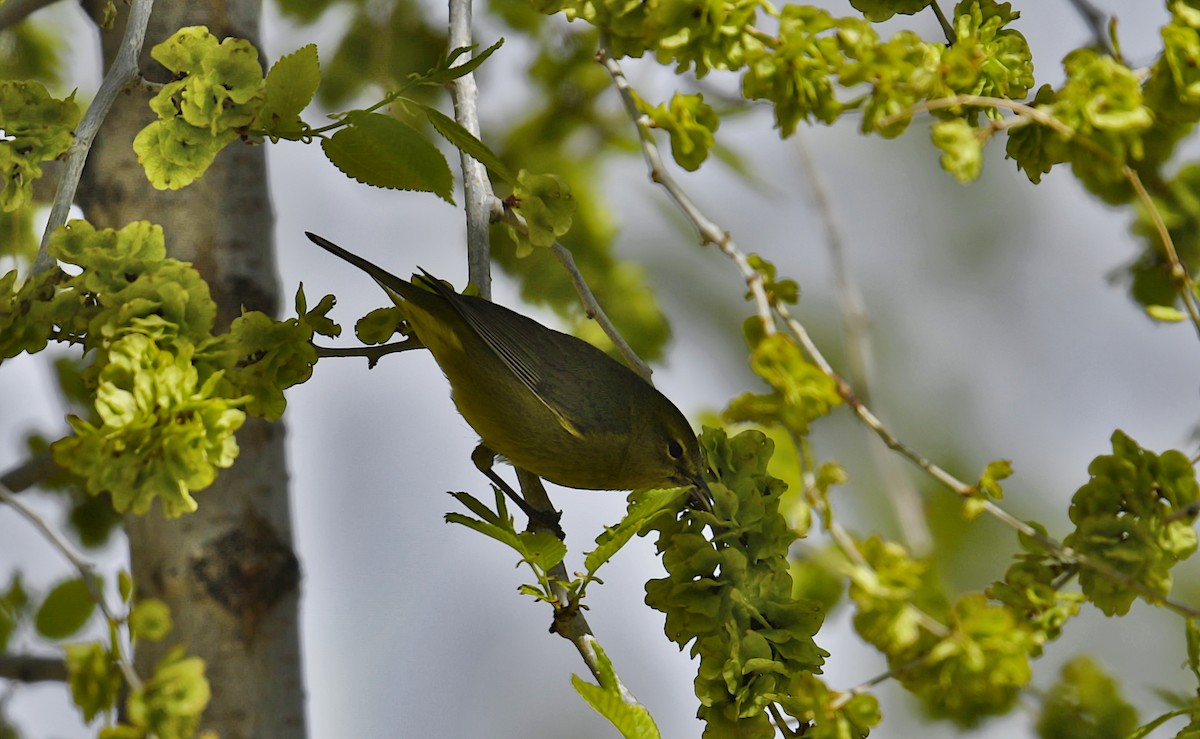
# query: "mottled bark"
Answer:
x=228 y=571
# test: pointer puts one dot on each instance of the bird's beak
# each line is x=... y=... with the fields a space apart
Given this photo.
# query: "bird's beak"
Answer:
x=702 y=496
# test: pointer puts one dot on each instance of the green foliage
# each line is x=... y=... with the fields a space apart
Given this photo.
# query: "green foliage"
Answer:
x=94 y=677
x=169 y=703
x=168 y=394
x=1123 y=517
x=382 y=151
x=965 y=660
x=36 y=128
x=632 y=720
x=13 y=606
x=289 y=87
x=878 y=11
x=1085 y=704
x=150 y=619
x=691 y=122
x=547 y=204
x=1032 y=589
x=216 y=98
x=962 y=151
x=801 y=392
x=66 y=609
x=730 y=597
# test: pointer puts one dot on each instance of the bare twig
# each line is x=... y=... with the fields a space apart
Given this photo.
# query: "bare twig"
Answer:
x=901 y=493
x=372 y=353
x=28 y=668
x=1185 y=285
x=1097 y=23
x=87 y=572
x=122 y=74
x=15 y=11
x=947 y=26
x=29 y=473
x=569 y=621
x=477 y=189
x=591 y=306
x=710 y=232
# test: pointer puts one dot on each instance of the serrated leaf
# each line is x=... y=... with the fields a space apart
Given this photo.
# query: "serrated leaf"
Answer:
x=381 y=151
x=66 y=609
x=290 y=86
x=125 y=586
x=541 y=548
x=1165 y=313
x=632 y=720
x=150 y=619
x=446 y=73
x=464 y=140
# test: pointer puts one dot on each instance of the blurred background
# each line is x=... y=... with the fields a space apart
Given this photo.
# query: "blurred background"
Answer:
x=997 y=333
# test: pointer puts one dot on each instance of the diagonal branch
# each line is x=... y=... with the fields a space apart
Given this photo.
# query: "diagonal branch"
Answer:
x=121 y=75
x=711 y=233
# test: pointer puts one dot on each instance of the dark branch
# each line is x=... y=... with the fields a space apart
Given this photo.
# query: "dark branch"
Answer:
x=27 y=668
x=29 y=473
x=15 y=11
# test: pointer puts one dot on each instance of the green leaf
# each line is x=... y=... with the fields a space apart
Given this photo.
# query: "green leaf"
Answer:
x=289 y=88
x=444 y=73
x=691 y=124
x=94 y=677
x=541 y=549
x=125 y=586
x=381 y=151
x=150 y=619
x=170 y=702
x=648 y=505
x=632 y=720
x=65 y=610
x=12 y=608
x=464 y=140
x=1085 y=702
x=962 y=149
x=878 y=11
x=546 y=202
x=38 y=128
x=1165 y=313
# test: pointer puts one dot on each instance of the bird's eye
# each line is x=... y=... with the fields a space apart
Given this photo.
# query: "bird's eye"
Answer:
x=675 y=449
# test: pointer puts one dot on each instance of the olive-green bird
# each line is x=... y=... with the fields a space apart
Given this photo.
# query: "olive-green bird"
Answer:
x=548 y=402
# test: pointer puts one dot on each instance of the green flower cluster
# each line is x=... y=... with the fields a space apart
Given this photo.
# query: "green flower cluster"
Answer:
x=965 y=661
x=34 y=128
x=216 y=99
x=1032 y=588
x=167 y=394
x=730 y=597
x=801 y=393
x=1135 y=515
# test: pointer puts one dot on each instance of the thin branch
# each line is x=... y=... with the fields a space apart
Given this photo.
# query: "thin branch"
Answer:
x=477 y=189
x=901 y=493
x=963 y=489
x=1179 y=273
x=87 y=572
x=15 y=11
x=947 y=26
x=709 y=232
x=372 y=353
x=29 y=473
x=123 y=73
x=569 y=621
x=1097 y=22
x=28 y=668
x=591 y=306
x=1185 y=285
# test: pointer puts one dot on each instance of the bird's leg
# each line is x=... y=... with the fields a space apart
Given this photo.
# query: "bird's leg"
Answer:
x=483 y=457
